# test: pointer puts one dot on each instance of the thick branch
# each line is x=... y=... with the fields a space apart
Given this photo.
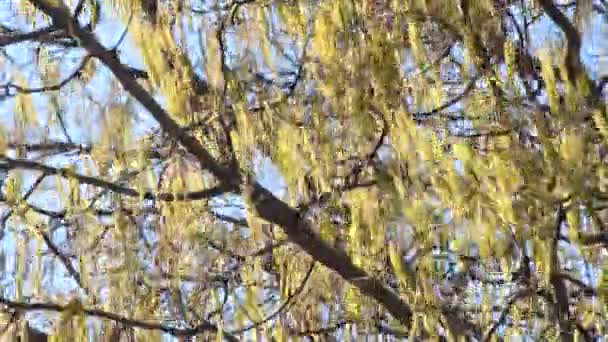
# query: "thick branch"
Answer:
x=300 y=231
x=574 y=66
x=573 y=61
x=62 y=18
x=559 y=287
x=10 y=37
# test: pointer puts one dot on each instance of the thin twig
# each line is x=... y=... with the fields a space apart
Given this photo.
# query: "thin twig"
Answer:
x=11 y=163
x=23 y=90
x=470 y=86
x=25 y=197
x=135 y=323
x=505 y=312
x=281 y=308
x=65 y=260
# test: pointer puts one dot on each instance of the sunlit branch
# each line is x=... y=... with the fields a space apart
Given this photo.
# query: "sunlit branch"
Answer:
x=204 y=327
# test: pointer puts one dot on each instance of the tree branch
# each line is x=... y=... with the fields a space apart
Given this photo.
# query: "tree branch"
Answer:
x=27 y=195
x=197 y=330
x=45 y=34
x=573 y=61
x=505 y=312
x=62 y=18
x=55 y=87
x=594 y=239
x=266 y=204
x=283 y=306
x=469 y=87
x=557 y=282
x=57 y=147
x=65 y=260
x=10 y=163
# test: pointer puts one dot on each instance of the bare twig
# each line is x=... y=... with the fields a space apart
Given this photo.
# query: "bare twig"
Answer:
x=9 y=37
x=283 y=306
x=65 y=260
x=505 y=312
x=11 y=163
x=27 y=195
x=203 y=327
x=470 y=86
x=56 y=147
x=55 y=87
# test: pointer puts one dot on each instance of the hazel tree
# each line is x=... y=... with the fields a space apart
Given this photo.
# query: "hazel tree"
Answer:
x=303 y=170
